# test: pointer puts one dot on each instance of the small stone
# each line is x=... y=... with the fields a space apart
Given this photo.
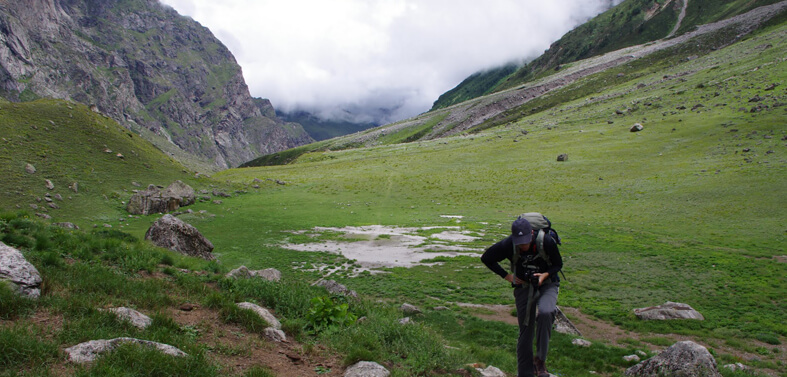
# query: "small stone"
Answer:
x=50 y=185
x=581 y=342
x=30 y=169
x=633 y=358
x=187 y=307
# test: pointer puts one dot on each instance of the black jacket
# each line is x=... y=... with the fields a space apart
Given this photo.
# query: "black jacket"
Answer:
x=504 y=250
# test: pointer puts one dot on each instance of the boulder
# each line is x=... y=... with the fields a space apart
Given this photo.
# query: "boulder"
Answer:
x=564 y=326
x=275 y=335
x=30 y=169
x=174 y=234
x=263 y=313
x=366 y=369
x=562 y=157
x=180 y=191
x=409 y=309
x=136 y=318
x=154 y=200
x=682 y=359
x=636 y=127
x=335 y=288
x=91 y=350
x=49 y=184
x=491 y=371
x=67 y=225
x=242 y=272
x=17 y=270
x=581 y=342
x=670 y=310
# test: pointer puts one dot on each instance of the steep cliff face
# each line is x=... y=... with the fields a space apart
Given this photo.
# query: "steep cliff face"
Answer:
x=144 y=65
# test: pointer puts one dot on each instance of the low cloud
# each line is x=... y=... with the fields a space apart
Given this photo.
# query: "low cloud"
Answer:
x=378 y=60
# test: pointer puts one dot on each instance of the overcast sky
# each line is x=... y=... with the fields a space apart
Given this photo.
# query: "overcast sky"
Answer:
x=383 y=60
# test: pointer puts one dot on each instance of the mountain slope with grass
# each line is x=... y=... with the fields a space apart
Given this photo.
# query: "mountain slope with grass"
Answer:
x=139 y=62
x=574 y=81
x=91 y=161
x=630 y=23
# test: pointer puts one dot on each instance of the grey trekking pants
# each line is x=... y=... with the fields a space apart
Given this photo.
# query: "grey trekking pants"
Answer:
x=546 y=302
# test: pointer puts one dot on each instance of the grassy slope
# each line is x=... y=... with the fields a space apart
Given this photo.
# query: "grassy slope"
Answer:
x=677 y=212
x=645 y=217
x=66 y=143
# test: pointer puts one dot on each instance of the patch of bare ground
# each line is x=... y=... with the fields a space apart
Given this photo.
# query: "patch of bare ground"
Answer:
x=238 y=350
x=597 y=330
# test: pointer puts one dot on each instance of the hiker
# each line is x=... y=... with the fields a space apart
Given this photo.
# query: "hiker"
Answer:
x=535 y=262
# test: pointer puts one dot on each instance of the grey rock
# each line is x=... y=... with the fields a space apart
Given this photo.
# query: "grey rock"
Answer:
x=17 y=270
x=581 y=343
x=30 y=169
x=174 y=234
x=263 y=313
x=405 y=321
x=366 y=369
x=491 y=371
x=335 y=288
x=242 y=272
x=49 y=185
x=636 y=127
x=44 y=216
x=136 y=318
x=66 y=225
x=154 y=200
x=74 y=187
x=682 y=359
x=736 y=367
x=634 y=358
x=91 y=350
x=670 y=310
x=562 y=157
x=409 y=309
x=275 y=335
x=564 y=326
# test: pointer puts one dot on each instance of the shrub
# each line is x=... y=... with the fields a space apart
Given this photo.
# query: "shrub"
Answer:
x=325 y=314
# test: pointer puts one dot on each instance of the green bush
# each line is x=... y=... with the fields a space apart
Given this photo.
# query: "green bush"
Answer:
x=325 y=314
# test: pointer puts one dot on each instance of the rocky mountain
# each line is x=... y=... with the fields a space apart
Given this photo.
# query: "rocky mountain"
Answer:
x=139 y=62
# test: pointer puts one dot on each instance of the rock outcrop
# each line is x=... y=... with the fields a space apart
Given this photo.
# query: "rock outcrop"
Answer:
x=174 y=234
x=15 y=269
x=144 y=65
x=684 y=359
x=154 y=200
x=91 y=350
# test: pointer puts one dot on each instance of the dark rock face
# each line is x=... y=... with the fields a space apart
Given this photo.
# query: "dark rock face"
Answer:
x=147 y=67
x=174 y=234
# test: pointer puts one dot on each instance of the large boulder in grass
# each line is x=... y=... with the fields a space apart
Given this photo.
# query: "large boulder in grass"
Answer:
x=682 y=359
x=174 y=234
x=155 y=200
x=366 y=369
x=670 y=310
x=243 y=272
x=15 y=269
x=91 y=350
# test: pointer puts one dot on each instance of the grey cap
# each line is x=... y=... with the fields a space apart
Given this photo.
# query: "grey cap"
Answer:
x=521 y=232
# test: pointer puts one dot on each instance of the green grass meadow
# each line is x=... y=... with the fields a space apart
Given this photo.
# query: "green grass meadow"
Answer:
x=690 y=209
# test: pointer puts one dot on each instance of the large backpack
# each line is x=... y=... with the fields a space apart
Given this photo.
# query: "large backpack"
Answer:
x=542 y=228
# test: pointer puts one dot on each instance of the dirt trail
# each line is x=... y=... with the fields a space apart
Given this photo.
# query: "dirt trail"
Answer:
x=680 y=19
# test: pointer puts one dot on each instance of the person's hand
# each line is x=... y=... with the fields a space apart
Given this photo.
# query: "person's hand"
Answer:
x=541 y=277
x=513 y=280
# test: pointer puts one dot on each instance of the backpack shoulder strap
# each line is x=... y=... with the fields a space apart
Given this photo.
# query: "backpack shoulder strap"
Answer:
x=540 y=246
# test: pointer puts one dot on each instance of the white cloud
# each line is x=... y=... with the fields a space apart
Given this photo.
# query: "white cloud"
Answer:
x=368 y=55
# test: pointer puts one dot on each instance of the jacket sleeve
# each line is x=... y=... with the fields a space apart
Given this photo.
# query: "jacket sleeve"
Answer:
x=496 y=254
x=554 y=256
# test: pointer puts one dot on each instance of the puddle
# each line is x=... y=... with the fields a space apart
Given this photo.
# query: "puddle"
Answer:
x=378 y=246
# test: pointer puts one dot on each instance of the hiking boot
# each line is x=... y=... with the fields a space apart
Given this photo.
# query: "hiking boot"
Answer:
x=540 y=367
